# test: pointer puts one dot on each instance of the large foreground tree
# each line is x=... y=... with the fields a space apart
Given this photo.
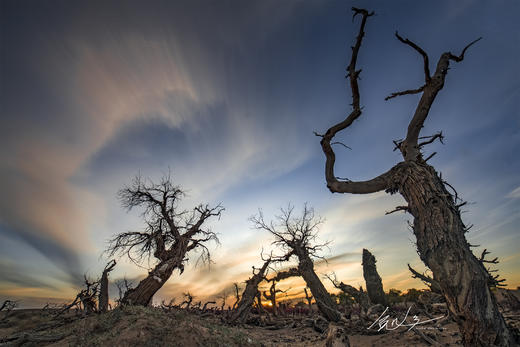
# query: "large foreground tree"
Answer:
x=437 y=225
x=170 y=235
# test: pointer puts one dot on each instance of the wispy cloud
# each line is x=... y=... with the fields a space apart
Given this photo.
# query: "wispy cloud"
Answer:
x=514 y=194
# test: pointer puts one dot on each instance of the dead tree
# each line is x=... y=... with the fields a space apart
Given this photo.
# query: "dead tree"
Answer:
x=272 y=296
x=259 y=305
x=103 y=291
x=88 y=296
x=434 y=286
x=239 y=315
x=7 y=308
x=188 y=300
x=281 y=275
x=359 y=296
x=85 y=300
x=437 y=225
x=204 y=308
x=372 y=279
x=296 y=236
x=170 y=234
x=122 y=287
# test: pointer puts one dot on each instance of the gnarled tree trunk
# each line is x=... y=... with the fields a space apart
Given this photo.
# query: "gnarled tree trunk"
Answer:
x=272 y=297
x=250 y=293
x=326 y=304
x=170 y=234
x=437 y=223
x=360 y=297
x=372 y=279
x=443 y=248
x=146 y=289
x=103 y=287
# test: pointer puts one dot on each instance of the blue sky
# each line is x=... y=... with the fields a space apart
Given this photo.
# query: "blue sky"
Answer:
x=227 y=95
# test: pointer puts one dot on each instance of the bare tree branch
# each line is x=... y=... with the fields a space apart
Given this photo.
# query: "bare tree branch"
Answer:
x=431 y=139
x=430 y=282
x=374 y=185
x=399 y=208
x=170 y=233
x=460 y=57
x=406 y=92
x=427 y=76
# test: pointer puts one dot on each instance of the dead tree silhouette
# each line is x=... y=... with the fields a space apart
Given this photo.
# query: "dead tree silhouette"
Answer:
x=372 y=279
x=171 y=234
x=359 y=296
x=297 y=237
x=103 y=290
x=273 y=291
x=240 y=314
x=437 y=225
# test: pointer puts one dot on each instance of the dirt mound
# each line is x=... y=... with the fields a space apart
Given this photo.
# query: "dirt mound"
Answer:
x=128 y=326
x=153 y=326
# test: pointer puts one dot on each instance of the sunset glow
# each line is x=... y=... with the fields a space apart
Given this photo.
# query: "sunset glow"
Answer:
x=226 y=97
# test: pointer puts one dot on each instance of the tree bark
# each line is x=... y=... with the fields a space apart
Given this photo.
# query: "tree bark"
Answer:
x=360 y=297
x=326 y=304
x=438 y=227
x=443 y=248
x=272 y=297
x=372 y=279
x=430 y=282
x=145 y=290
x=240 y=314
x=103 y=290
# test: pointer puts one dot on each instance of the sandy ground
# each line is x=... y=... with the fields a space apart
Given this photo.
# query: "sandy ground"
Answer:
x=149 y=326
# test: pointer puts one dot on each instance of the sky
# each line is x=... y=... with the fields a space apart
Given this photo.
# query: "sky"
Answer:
x=226 y=96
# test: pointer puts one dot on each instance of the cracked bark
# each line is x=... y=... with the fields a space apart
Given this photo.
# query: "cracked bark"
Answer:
x=372 y=279
x=240 y=314
x=437 y=225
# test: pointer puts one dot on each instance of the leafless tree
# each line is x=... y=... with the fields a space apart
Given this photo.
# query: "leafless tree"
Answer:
x=122 y=287
x=169 y=236
x=103 y=291
x=359 y=296
x=249 y=294
x=87 y=296
x=85 y=300
x=372 y=279
x=204 y=308
x=271 y=296
x=188 y=300
x=7 y=308
x=437 y=225
x=297 y=237
x=273 y=291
